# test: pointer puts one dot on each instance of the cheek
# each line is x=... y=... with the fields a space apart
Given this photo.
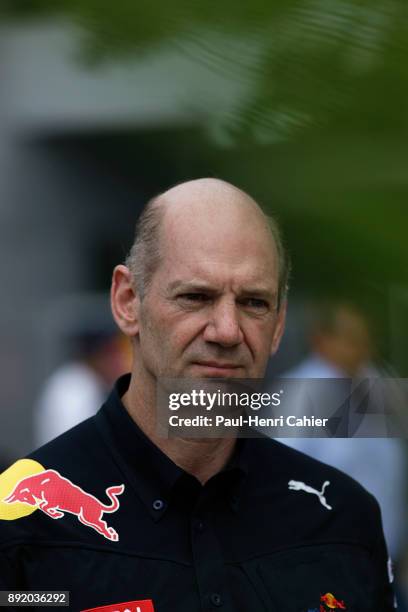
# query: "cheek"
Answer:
x=168 y=330
x=152 y=321
x=186 y=331
x=259 y=335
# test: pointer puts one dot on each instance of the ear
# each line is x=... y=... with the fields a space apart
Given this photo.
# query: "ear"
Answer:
x=125 y=302
x=279 y=328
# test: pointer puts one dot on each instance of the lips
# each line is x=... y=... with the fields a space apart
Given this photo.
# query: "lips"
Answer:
x=218 y=365
x=215 y=369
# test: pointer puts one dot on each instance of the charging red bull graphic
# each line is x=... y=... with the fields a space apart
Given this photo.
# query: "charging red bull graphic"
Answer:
x=331 y=603
x=54 y=495
x=145 y=605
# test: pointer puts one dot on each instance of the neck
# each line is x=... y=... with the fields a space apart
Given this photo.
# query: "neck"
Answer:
x=203 y=458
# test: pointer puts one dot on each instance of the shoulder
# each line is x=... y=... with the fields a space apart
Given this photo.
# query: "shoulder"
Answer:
x=76 y=465
x=313 y=366
x=71 y=373
x=81 y=442
x=274 y=462
x=290 y=462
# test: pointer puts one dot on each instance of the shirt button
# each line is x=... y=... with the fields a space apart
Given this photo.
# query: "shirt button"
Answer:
x=199 y=526
x=216 y=599
x=158 y=504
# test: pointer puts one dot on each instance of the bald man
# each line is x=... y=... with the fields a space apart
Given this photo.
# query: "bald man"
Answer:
x=125 y=519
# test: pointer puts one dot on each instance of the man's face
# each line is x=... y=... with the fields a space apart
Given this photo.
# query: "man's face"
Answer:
x=211 y=307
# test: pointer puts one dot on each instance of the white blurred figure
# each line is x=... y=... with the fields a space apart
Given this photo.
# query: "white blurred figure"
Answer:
x=342 y=348
x=77 y=389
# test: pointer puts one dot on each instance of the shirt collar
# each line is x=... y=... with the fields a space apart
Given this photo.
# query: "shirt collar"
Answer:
x=153 y=475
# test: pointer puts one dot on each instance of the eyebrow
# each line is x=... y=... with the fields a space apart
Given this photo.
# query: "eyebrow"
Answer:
x=179 y=284
x=200 y=285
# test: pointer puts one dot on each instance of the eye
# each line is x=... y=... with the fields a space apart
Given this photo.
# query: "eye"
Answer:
x=193 y=299
x=255 y=305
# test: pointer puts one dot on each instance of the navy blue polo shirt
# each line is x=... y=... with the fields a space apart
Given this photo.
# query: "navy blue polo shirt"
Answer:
x=113 y=520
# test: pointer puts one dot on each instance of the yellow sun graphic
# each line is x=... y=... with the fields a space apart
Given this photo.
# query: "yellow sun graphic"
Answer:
x=8 y=480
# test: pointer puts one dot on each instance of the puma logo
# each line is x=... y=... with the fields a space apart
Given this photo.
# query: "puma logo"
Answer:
x=296 y=485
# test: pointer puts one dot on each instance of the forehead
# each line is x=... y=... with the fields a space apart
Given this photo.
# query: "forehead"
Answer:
x=219 y=244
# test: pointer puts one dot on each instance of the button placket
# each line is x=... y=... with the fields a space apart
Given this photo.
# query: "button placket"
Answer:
x=199 y=525
x=216 y=599
x=208 y=562
x=158 y=504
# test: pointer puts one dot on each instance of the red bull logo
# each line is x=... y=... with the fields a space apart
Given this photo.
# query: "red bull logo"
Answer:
x=331 y=603
x=55 y=495
x=145 y=605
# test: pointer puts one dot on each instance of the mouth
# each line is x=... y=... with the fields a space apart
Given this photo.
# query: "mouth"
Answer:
x=216 y=369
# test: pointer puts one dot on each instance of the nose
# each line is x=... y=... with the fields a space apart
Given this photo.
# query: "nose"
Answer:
x=223 y=326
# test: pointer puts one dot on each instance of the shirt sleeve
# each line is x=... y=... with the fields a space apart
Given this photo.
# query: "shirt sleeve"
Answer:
x=383 y=565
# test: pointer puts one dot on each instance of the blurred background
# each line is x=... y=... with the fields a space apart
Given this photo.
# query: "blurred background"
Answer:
x=302 y=103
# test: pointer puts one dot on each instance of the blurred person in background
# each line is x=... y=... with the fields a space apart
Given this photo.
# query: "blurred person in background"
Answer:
x=341 y=347
x=341 y=344
x=76 y=389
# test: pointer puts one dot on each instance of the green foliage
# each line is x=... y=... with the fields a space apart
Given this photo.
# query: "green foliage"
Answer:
x=305 y=61
x=319 y=138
